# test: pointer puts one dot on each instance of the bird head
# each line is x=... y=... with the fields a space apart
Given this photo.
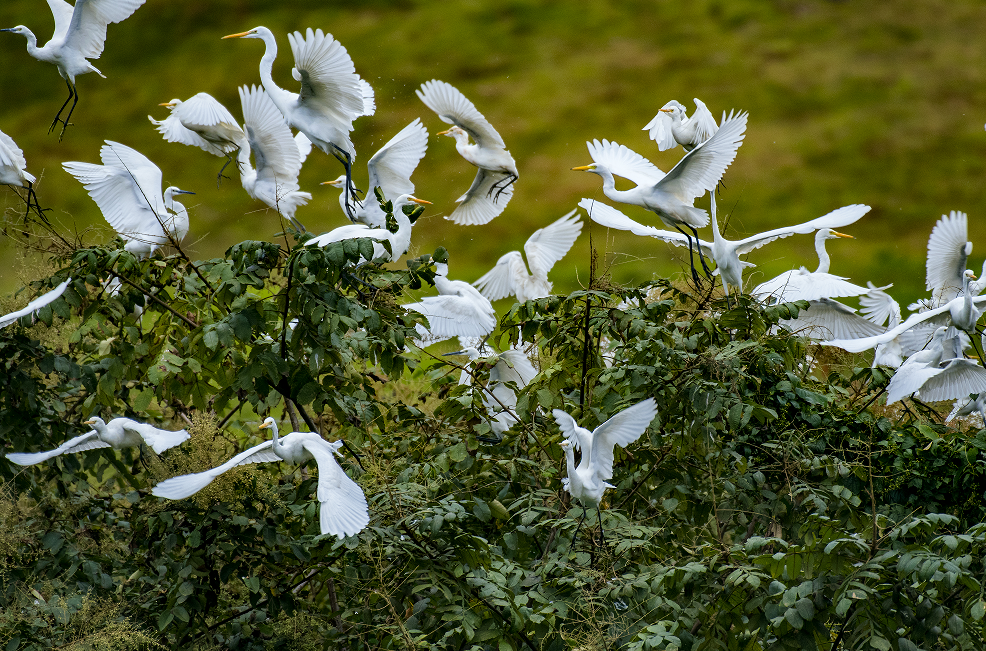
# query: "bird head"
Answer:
x=268 y=423
x=20 y=29
x=969 y=274
x=829 y=234
x=594 y=168
x=172 y=104
x=565 y=444
x=410 y=198
x=252 y=33
x=453 y=132
x=95 y=420
x=336 y=183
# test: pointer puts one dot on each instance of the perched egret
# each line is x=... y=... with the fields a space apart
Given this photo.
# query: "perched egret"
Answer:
x=725 y=252
x=390 y=170
x=118 y=433
x=343 y=511
x=934 y=378
x=458 y=311
x=127 y=189
x=803 y=285
x=672 y=126
x=13 y=170
x=35 y=305
x=948 y=254
x=671 y=196
x=331 y=97
x=201 y=121
x=277 y=154
x=588 y=481
x=80 y=33
x=544 y=248
x=399 y=241
x=497 y=169
x=511 y=365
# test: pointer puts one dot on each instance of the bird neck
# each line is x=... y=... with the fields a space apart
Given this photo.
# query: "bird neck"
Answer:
x=609 y=186
x=274 y=432
x=277 y=94
x=570 y=461
x=823 y=257
x=248 y=175
x=32 y=43
x=716 y=235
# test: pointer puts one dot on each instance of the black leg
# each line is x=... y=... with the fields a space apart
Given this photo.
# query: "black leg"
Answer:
x=501 y=185
x=71 y=94
x=347 y=162
x=577 y=527
x=601 y=535
x=701 y=256
x=65 y=122
x=229 y=159
x=691 y=255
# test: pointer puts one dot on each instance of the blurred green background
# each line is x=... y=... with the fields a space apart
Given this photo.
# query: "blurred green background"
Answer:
x=850 y=102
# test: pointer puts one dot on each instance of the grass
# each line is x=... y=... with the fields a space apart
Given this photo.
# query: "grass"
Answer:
x=864 y=102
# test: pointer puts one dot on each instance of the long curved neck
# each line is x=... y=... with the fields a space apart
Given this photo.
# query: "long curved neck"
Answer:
x=278 y=95
x=823 y=256
x=273 y=429
x=716 y=235
x=609 y=186
x=32 y=43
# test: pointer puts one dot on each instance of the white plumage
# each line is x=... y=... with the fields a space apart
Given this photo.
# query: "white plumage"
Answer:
x=510 y=366
x=458 y=311
x=399 y=241
x=672 y=126
x=35 y=305
x=803 y=285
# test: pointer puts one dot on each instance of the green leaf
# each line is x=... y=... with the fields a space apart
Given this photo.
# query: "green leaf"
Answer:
x=180 y=613
x=164 y=619
x=481 y=510
x=458 y=452
x=806 y=609
x=880 y=643
x=793 y=618
x=143 y=400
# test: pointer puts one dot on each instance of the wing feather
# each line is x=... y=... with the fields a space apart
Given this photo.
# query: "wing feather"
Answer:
x=550 y=244
x=36 y=304
x=31 y=458
x=478 y=205
x=157 y=439
x=86 y=32
x=835 y=219
x=344 y=511
x=392 y=166
x=623 y=161
x=454 y=108
x=498 y=282
x=701 y=169
x=660 y=127
x=622 y=429
x=948 y=252
x=329 y=82
x=183 y=486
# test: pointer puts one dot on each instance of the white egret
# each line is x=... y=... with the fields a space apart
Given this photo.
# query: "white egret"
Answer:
x=458 y=311
x=932 y=378
x=967 y=406
x=35 y=305
x=588 y=481
x=343 y=510
x=725 y=252
x=672 y=126
x=277 y=154
x=399 y=241
x=948 y=254
x=390 y=169
x=118 y=433
x=80 y=33
x=127 y=189
x=671 y=196
x=497 y=169
x=544 y=248
x=201 y=121
x=13 y=170
x=803 y=285
x=879 y=307
x=829 y=319
x=331 y=97
x=510 y=366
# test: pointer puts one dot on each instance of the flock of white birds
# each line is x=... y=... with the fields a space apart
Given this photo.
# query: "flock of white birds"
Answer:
x=280 y=128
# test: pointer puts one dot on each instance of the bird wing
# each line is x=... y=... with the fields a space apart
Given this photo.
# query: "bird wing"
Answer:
x=174 y=131
x=948 y=252
x=514 y=366
x=158 y=440
x=828 y=319
x=908 y=379
x=548 y=245
x=705 y=124
x=183 y=486
x=800 y=285
x=304 y=145
x=701 y=169
x=879 y=307
x=622 y=429
x=625 y=162
x=343 y=511
x=498 y=282
x=391 y=167
x=839 y=217
x=452 y=316
x=10 y=154
x=31 y=458
x=275 y=150
x=454 y=108
x=329 y=83
x=859 y=345
x=610 y=217
x=86 y=33
x=348 y=232
x=203 y=110
x=958 y=379
x=35 y=304
x=660 y=127
x=61 y=11
x=481 y=203
x=569 y=428
x=369 y=98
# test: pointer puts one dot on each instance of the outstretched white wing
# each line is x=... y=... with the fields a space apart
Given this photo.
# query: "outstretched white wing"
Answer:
x=183 y=486
x=828 y=319
x=275 y=150
x=623 y=161
x=86 y=32
x=453 y=108
x=702 y=168
x=622 y=429
x=835 y=219
x=11 y=155
x=800 y=285
x=879 y=307
x=958 y=378
x=610 y=217
x=329 y=83
x=660 y=127
x=482 y=202
x=948 y=252
x=498 y=282
x=454 y=316
x=35 y=305
x=705 y=124
x=87 y=441
x=548 y=245
x=392 y=166
x=203 y=113
x=157 y=439
x=174 y=131
x=343 y=510
x=369 y=98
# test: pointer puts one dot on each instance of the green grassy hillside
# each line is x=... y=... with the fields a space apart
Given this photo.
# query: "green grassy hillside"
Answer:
x=862 y=102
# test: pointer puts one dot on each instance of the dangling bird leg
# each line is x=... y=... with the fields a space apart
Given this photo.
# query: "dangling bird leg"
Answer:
x=71 y=94
x=691 y=256
x=65 y=122
x=229 y=159
x=577 y=527
x=701 y=256
x=602 y=536
x=347 y=162
x=502 y=185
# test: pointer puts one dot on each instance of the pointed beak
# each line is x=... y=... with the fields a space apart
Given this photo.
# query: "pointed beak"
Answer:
x=184 y=192
x=7 y=29
x=90 y=421
x=240 y=35
x=458 y=352
x=442 y=133
x=335 y=184
x=167 y=104
x=582 y=168
x=667 y=110
x=837 y=234
x=420 y=201
x=264 y=426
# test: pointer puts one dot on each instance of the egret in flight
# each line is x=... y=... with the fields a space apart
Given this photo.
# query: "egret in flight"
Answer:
x=458 y=311
x=343 y=510
x=118 y=433
x=331 y=97
x=544 y=248
x=948 y=254
x=671 y=196
x=933 y=378
x=672 y=126
x=35 y=305
x=80 y=33
x=390 y=169
x=127 y=189
x=589 y=480
x=399 y=241
x=493 y=186
x=803 y=285
x=13 y=171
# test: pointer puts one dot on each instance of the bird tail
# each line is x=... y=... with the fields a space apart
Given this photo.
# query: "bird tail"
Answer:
x=161 y=441
x=181 y=487
x=95 y=69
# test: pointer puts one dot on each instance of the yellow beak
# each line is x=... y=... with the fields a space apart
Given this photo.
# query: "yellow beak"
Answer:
x=166 y=104
x=241 y=34
x=89 y=422
x=416 y=200
x=667 y=110
x=837 y=234
x=442 y=133
x=263 y=426
x=582 y=168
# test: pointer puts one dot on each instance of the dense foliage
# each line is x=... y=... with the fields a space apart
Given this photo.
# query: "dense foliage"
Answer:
x=763 y=509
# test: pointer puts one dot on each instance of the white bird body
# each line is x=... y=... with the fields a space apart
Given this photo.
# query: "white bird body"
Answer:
x=948 y=255
x=389 y=169
x=118 y=433
x=672 y=126
x=493 y=186
x=880 y=308
x=343 y=510
x=332 y=94
x=458 y=311
x=512 y=366
x=80 y=33
x=201 y=121
x=127 y=189
x=35 y=305
x=803 y=285
x=399 y=241
x=588 y=481
x=13 y=166
x=967 y=406
x=926 y=374
x=544 y=248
